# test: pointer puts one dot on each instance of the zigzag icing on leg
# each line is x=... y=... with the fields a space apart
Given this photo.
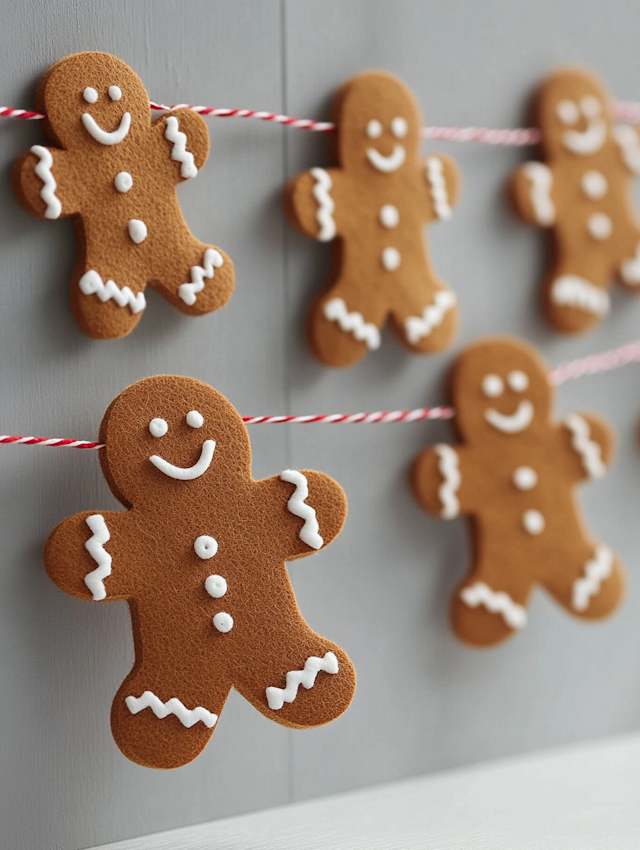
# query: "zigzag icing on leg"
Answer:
x=276 y=697
x=418 y=327
x=449 y=468
x=187 y=716
x=91 y=283
x=212 y=260
x=95 y=547
x=438 y=187
x=179 y=152
x=569 y=290
x=589 y=451
x=298 y=506
x=336 y=311
x=497 y=602
x=597 y=570
x=48 y=191
x=326 y=205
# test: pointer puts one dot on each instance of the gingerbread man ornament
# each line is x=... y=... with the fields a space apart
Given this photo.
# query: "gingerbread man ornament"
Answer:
x=199 y=555
x=115 y=173
x=581 y=195
x=514 y=475
x=374 y=207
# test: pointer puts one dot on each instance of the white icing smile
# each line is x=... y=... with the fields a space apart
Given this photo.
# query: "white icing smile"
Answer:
x=191 y=472
x=515 y=422
x=389 y=163
x=115 y=137
x=592 y=138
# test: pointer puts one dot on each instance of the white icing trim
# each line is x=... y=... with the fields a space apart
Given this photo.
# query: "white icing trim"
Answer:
x=497 y=602
x=590 y=452
x=49 y=185
x=212 y=260
x=179 y=152
x=91 y=283
x=188 y=717
x=417 y=327
x=569 y=290
x=630 y=269
x=190 y=473
x=336 y=311
x=513 y=423
x=387 y=164
x=95 y=547
x=587 y=141
x=276 y=697
x=114 y=137
x=541 y=179
x=597 y=570
x=449 y=469
x=627 y=140
x=438 y=188
x=326 y=205
x=297 y=505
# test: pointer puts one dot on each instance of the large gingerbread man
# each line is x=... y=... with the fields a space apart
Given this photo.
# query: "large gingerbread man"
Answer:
x=199 y=555
x=514 y=474
x=581 y=195
x=374 y=206
x=115 y=173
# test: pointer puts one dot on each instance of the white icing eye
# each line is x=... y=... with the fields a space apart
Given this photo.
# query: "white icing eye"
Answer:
x=90 y=95
x=518 y=381
x=568 y=112
x=195 y=419
x=591 y=106
x=374 y=129
x=158 y=427
x=115 y=92
x=205 y=547
x=123 y=181
x=216 y=586
x=399 y=127
x=492 y=386
x=223 y=622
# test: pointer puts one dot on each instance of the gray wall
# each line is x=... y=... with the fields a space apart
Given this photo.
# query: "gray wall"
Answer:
x=424 y=702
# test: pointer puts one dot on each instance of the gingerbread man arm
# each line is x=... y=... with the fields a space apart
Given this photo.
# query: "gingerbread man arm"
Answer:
x=628 y=142
x=44 y=182
x=186 y=138
x=533 y=195
x=84 y=556
x=589 y=442
x=313 y=202
x=439 y=481
x=442 y=177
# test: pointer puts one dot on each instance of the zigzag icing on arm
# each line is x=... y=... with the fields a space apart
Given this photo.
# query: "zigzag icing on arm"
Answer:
x=91 y=283
x=179 y=152
x=497 y=602
x=276 y=697
x=297 y=505
x=95 y=547
x=627 y=139
x=597 y=570
x=212 y=260
x=569 y=290
x=438 y=188
x=326 y=205
x=541 y=180
x=187 y=716
x=590 y=452
x=449 y=468
x=49 y=185
x=417 y=327
x=336 y=311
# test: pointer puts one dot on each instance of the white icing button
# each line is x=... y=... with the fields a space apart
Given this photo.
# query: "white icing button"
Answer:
x=90 y=94
x=594 y=184
x=492 y=386
x=374 y=129
x=518 y=381
x=533 y=522
x=223 y=622
x=205 y=547
x=195 y=419
x=391 y=259
x=115 y=92
x=137 y=230
x=525 y=478
x=399 y=127
x=158 y=427
x=123 y=181
x=568 y=112
x=389 y=216
x=216 y=586
x=599 y=226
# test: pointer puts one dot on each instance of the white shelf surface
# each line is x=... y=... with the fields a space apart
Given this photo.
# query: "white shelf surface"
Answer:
x=580 y=798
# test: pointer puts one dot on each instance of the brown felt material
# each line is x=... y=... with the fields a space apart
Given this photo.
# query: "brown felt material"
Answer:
x=359 y=191
x=85 y=170
x=178 y=651
x=573 y=248
x=505 y=556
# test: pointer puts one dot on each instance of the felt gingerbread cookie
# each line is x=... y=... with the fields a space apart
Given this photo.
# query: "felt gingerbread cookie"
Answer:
x=514 y=474
x=199 y=555
x=581 y=195
x=374 y=206
x=115 y=173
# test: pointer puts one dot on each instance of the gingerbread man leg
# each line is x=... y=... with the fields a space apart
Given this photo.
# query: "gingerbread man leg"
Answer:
x=576 y=294
x=430 y=325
